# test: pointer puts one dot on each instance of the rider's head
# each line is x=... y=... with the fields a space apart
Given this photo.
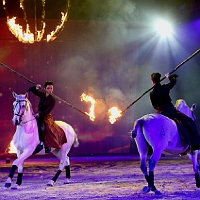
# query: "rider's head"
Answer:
x=48 y=86
x=155 y=77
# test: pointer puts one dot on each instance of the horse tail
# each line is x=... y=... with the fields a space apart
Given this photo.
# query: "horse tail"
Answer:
x=76 y=142
x=137 y=127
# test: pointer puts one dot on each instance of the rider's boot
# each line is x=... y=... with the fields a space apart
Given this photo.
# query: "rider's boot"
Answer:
x=38 y=148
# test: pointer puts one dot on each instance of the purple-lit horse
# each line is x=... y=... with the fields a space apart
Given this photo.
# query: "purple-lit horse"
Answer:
x=26 y=139
x=160 y=133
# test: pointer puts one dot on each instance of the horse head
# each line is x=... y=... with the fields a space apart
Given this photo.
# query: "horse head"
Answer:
x=20 y=106
x=184 y=108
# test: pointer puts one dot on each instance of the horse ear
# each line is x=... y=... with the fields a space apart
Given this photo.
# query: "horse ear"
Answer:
x=14 y=94
x=193 y=107
x=26 y=95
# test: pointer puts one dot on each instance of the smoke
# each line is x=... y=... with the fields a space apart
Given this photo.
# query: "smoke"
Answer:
x=104 y=56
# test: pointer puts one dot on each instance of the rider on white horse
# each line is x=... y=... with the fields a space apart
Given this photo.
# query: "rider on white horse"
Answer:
x=161 y=101
x=49 y=132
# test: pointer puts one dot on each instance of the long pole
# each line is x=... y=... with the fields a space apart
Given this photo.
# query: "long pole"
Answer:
x=30 y=81
x=177 y=67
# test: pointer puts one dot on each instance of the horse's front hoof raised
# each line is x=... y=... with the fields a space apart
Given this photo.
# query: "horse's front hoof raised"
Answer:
x=146 y=189
x=7 y=185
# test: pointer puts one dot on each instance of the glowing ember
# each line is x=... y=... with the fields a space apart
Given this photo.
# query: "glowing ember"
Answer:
x=87 y=98
x=114 y=114
x=12 y=148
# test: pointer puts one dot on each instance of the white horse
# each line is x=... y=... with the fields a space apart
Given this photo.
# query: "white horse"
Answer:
x=26 y=139
x=161 y=134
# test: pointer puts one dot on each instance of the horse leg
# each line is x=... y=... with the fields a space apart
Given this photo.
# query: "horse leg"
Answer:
x=143 y=168
x=17 y=163
x=142 y=146
x=149 y=177
x=19 y=177
x=194 y=155
x=67 y=171
x=10 y=176
x=152 y=163
x=64 y=163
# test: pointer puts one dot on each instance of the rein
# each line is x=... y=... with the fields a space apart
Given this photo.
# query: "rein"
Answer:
x=27 y=121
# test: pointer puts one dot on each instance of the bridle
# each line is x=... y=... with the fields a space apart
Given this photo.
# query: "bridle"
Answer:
x=19 y=113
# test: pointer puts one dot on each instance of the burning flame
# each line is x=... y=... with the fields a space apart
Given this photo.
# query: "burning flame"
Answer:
x=52 y=36
x=12 y=148
x=18 y=32
x=114 y=114
x=27 y=36
x=88 y=98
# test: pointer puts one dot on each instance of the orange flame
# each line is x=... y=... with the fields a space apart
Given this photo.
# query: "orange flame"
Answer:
x=88 y=98
x=52 y=36
x=27 y=36
x=17 y=31
x=114 y=114
x=12 y=148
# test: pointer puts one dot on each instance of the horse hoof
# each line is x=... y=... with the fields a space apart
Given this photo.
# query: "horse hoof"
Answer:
x=7 y=185
x=157 y=192
x=198 y=185
x=50 y=183
x=66 y=181
x=146 y=189
x=14 y=187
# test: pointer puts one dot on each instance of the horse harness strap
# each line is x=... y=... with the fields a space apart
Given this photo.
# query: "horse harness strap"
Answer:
x=21 y=115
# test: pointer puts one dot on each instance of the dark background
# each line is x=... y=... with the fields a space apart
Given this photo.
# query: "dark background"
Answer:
x=107 y=49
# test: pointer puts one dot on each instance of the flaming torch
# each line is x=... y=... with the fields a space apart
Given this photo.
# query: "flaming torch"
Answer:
x=88 y=98
x=114 y=114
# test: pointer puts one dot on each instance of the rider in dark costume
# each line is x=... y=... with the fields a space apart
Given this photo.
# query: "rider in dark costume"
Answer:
x=49 y=132
x=161 y=101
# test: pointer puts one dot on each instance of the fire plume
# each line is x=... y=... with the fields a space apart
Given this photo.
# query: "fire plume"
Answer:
x=12 y=148
x=87 y=98
x=26 y=36
x=114 y=114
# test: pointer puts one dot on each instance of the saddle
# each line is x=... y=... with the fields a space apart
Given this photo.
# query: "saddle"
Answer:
x=182 y=129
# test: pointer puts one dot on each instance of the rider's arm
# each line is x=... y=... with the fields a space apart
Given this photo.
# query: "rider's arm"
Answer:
x=172 y=82
x=35 y=89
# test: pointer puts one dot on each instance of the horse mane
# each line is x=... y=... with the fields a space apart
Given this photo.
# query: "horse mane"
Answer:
x=30 y=106
x=182 y=106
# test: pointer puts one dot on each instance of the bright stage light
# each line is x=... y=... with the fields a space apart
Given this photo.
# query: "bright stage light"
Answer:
x=163 y=28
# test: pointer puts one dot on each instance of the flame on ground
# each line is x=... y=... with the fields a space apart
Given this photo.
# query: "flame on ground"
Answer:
x=87 y=98
x=12 y=148
x=114 y=113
